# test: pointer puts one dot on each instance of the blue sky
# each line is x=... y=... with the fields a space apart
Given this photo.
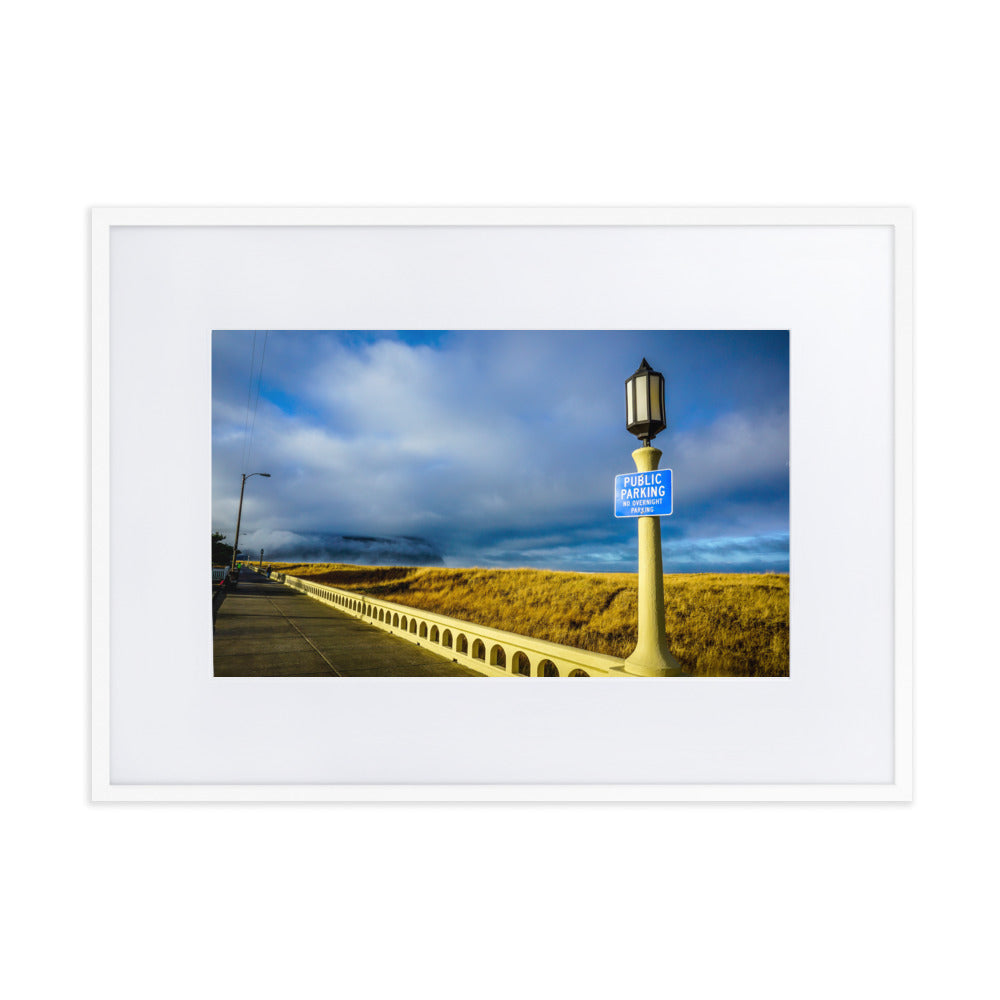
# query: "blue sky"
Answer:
x=497 y=448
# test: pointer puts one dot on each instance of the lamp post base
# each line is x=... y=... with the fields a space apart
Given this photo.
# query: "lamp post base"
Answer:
x=659 y=664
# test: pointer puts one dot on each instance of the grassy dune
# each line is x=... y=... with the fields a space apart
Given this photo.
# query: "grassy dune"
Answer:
x=718 y=624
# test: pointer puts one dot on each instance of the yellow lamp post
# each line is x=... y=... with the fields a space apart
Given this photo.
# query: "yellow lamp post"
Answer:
x=645 y=418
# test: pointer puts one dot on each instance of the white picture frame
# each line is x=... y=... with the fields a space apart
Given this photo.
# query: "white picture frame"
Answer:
x=838 y=729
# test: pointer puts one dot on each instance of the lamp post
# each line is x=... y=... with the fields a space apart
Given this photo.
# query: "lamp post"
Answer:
x=239 y=516
x=645 y=418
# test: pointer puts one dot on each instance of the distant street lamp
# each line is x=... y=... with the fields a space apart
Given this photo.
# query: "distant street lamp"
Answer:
x=239 y=516
x=645 y=418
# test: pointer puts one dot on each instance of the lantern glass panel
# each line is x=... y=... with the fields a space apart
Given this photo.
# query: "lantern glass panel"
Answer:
x=656 y=397
x=642 y=397
x=629 y=407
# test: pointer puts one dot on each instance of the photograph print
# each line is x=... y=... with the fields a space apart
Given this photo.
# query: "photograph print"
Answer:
x=500 y=503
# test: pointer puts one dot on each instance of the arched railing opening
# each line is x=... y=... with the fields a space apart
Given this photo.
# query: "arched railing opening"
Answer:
x=578 y=673
x=434 y=634
x=479 y=650
x=547 y=669
x=521 y=664
x=423 y=630
x=461 y=644
x=413 y=625
x=498 y=657
x=446 y=638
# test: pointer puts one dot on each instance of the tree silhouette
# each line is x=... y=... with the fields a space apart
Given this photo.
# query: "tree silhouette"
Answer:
x=222 y=554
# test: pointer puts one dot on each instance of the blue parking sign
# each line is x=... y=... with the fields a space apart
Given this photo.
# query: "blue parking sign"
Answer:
x=644 y=494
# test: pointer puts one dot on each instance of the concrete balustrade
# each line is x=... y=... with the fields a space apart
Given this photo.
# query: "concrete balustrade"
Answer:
x=489 y=651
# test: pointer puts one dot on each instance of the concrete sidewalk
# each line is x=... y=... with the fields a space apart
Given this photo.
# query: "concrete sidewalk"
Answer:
x=264 y=629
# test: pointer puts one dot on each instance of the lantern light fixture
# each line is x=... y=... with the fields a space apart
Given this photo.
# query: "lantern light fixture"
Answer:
x=645 y=413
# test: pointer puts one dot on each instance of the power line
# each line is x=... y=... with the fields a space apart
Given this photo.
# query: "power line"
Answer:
x=260 y=379
x=246 y=417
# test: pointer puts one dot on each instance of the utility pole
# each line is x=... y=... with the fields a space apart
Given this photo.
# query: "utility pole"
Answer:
x=239 y=515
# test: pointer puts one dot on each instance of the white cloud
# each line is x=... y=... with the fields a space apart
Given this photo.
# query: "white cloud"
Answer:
x=736 y=452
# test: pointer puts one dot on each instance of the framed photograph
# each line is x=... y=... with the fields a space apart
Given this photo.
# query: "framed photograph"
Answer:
x=444 y=463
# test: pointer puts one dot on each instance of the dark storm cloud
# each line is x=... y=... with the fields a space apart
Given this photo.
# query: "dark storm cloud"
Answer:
x=358 y=549
x=494 y=448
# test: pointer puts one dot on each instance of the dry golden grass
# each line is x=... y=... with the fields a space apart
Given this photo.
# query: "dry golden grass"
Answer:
x=718 y=624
